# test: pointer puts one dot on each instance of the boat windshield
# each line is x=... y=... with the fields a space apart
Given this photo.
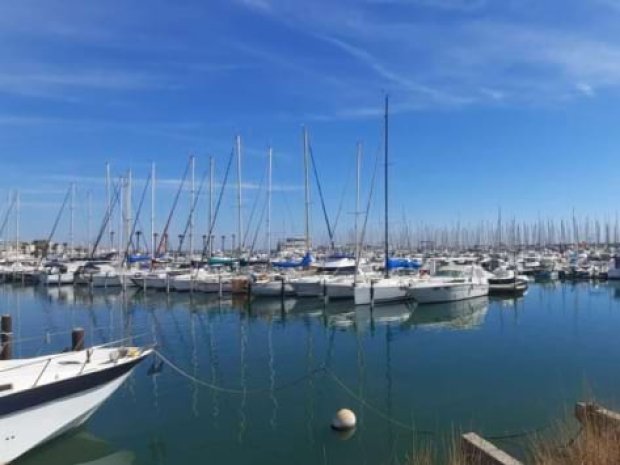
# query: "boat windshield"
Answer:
x=449 y=273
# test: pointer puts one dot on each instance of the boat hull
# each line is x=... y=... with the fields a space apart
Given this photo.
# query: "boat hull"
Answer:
x=340 y=290
x=56 y=279
x=308 y=288
x=365 y=294
x=39 y=420
x=272 y=289
x=517 y=288
x=107 y=280
x=424 y=294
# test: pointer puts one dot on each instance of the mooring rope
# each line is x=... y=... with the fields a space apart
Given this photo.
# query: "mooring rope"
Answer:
x=426 y=432
x=236 y=391
x=324 y=369
x=377 y=410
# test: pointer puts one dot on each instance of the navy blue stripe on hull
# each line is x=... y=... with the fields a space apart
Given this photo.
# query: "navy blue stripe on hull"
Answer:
x=45 y=393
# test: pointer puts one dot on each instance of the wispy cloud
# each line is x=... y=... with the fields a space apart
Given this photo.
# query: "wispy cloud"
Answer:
x=479 y=59
x=51 y=82
x=457 y=5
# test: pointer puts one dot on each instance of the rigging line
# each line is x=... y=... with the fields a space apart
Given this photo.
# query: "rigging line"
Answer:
x=174 y=205
x=318 y=183
x=236 y=391
x=207 y=246
x=136 y=219
x=191 y=212
x=260 y=189
x=342 y=197
x=106 y=218
x=8 y=212
x=368 y=206
x=58 y=216
x=258 y=227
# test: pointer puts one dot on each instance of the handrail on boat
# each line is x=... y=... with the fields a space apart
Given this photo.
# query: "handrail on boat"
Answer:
x=48 y=359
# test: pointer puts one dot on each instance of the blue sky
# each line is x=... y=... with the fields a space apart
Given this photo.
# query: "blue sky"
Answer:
x=510 y=104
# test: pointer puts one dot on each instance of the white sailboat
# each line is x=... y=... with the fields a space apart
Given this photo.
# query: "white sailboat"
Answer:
x=388 y=288
x=44 y=397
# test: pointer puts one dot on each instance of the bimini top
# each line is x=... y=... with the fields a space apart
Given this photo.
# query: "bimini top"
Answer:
x=305 y=261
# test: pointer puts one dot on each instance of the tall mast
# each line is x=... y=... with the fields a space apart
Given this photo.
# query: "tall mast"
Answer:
x=191 y=206
x=128 y=213
x=89 y=217
x=71 y=219
x=121 y=212
x=306 y=189
x=107 y=196
x=357 y=195
x=210 y=213
x=153 y=245
x=17 y=221
x=239 y=204
x=6 y=238
x=385 y=147
x=269 y=204
x=211 y=175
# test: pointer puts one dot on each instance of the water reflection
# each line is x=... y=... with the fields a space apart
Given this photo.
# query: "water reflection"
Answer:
x=79 y=448
x=274 y=406
x=464 y=314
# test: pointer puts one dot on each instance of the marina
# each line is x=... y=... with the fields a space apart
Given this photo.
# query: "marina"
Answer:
x=372 y=232
x=242 y=379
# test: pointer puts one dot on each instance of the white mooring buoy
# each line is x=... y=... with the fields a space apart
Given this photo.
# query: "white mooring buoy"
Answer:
x=344 y=420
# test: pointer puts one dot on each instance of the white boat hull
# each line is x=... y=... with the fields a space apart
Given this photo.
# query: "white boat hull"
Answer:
x=212 y=286
x=613 y=273
x=435 y=293
x=27 y=428
x=365 y=294
x=107 y=280
x=183 y=285
x=272 y=289
x=340 y=290
x=309 y=288
x=56 y=279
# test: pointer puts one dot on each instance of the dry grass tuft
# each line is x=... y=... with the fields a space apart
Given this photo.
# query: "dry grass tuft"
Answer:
x=593 y=444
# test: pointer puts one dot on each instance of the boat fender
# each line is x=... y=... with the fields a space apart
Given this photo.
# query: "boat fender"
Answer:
x=133 y=352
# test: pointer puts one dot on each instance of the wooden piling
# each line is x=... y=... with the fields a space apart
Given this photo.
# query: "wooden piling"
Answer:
x=77 y=339
x=6 y=337
x=478 y=451
x=594 y=415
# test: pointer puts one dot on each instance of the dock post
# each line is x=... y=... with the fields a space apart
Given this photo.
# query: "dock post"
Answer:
x=6 y=337
x=372 y=293
x=77 y=339
x=600 y=418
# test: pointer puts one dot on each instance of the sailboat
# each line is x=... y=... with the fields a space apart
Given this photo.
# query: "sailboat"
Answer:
x=336 y=268
x=278 y=283
x=44 y=397
x=388 y=288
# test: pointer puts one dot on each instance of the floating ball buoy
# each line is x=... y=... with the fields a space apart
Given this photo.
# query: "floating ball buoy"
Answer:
x=344 y=420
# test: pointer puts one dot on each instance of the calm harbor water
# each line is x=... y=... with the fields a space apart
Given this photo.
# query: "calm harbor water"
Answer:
x=259 y=394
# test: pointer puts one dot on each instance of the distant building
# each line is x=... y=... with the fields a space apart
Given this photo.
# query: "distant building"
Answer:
x=291 y=244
